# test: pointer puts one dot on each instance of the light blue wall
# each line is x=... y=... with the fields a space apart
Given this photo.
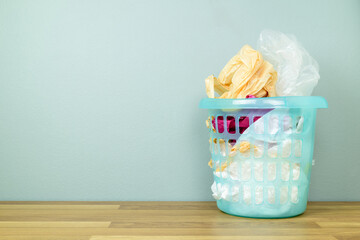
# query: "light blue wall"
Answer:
x=99 y=99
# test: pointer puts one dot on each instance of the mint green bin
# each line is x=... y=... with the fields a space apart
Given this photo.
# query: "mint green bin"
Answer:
x=262 y=153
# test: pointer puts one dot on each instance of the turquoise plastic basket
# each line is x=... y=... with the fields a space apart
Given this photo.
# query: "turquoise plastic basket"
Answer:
x=260 y=183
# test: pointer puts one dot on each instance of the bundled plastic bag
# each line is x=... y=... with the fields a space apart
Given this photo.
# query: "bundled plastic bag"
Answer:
x=298 y=72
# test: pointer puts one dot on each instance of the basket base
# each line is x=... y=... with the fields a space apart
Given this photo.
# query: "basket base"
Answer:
x=263 y=212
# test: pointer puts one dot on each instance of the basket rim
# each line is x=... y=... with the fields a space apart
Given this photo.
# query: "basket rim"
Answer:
x=265 y=103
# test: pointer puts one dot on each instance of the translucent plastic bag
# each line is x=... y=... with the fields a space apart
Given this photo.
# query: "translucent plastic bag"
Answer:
x=298 y=72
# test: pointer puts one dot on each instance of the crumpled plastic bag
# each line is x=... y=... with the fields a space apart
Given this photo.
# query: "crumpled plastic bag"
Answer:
x=298 y=72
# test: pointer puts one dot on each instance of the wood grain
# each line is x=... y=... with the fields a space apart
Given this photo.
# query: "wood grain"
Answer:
x=170 y=220
x=329 y=237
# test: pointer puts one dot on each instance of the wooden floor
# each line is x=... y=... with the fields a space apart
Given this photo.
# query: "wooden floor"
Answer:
x=170 y=221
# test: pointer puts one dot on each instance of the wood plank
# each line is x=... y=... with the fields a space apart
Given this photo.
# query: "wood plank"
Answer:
x=340 y=224
x=211 y=225
x=116 y=212
x=176 y=231
x=117 y=216
x=347 y=236
x=50 y=237
x=53 y=224
x=320 y=237
x=57 y=207
x=168 y=206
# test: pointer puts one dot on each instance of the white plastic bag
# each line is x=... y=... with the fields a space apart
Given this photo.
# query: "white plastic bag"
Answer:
x=298 y=72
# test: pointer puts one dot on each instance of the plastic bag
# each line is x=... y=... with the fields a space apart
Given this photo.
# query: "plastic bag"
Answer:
x=298 y=72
